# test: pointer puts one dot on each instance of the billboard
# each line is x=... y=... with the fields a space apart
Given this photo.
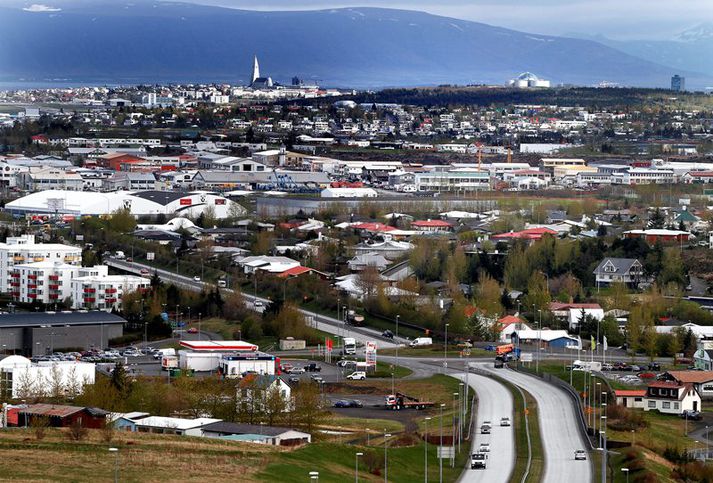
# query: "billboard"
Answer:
x=185 y=201
x=370 y=353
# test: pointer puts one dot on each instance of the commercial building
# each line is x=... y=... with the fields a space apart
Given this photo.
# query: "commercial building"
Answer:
x=20 y=378
x=678 y=83
x=459 y=180
x=23 y=249
x=39 y=333
x=348 y=193
x=634 y=176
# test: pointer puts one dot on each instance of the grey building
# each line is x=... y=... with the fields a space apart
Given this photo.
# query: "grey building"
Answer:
x=38 y=333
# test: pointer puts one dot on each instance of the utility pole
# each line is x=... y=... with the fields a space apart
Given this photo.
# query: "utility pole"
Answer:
x=425 y=452
x=440 y=449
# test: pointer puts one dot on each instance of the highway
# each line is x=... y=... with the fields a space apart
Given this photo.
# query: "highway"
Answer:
x=321 y=322
x=558 y=427
x=494 y=402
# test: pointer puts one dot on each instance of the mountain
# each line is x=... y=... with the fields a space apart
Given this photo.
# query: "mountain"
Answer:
x=145 y=41
x=687 y=51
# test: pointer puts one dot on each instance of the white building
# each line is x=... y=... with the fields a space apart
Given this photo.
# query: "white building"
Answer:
x=23 y=249
x=46 y=282
x=267 y=263
x=23 y=379
x=179 y=426
x=635 y=176
x=453 y=181
x=349 y=193
x=671 y=398
x=528 y=79
x=104 y=292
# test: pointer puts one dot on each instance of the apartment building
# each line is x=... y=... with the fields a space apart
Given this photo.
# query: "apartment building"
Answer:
x=643 y=176
x=45 y=282
x=98 y=290
x=23 y=249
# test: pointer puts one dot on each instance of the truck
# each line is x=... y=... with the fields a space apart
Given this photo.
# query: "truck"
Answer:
x=169 y=362
x=119 y=255
x=353 y=318
x=421 y=342
x=400 y=401
x=478 y=461
x=349 y=346
x=159 y=353
x=587 y=366
x=507 y=352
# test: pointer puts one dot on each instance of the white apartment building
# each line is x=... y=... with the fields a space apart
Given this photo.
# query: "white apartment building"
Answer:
x=643 y=176
x=98 y=290
x=45 y=282
x=23 y=249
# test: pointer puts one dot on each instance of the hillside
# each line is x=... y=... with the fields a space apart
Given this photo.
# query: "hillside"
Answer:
x=159 y=42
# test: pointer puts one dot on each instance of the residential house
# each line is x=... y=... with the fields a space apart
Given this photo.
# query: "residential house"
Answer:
x=630 y=398
x=572 y=312
x=702 y=380
x=432 y=226
x=546 y=338
x=387 y=247
x=508 y=325
x=671 y=397
x=58 y=416
x=267 y=263
x=255 y=389
x=366 y=260
x=624 y=270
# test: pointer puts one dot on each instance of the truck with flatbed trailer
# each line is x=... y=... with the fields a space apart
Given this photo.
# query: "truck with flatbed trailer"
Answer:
x=400 y=401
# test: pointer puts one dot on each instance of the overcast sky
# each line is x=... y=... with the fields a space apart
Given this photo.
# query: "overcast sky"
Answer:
x=620 y=19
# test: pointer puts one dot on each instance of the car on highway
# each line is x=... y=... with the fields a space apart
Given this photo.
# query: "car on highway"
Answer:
x=357 y=376
x=258 y=303
x=478 y=461
x=344 y=363
x=504 y=421
x=484 y=448
x=580 y=454
x=348 y=403
x=387 y=334
x=144 y=271
x=485 y=427
x=192 y=330
x=196 y=278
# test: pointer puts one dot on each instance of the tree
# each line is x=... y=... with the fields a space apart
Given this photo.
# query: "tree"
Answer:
x=368 y=281
x=488 y=295
x=657 y=219
x=234 y=307
x=275 y=404
x=517 y=269
x=122 y=221
x=308 y=410
x=538 y=294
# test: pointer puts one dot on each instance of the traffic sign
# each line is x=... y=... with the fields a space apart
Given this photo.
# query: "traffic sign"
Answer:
x=446 y=452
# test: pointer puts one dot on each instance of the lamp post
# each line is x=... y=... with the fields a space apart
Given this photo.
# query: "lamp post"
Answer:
x=706 y=443
x=386 y=458
x=445 y=351
x=539 y=341
x=626 y=472
x=397 y=338
x=356 y=467
x=116 y=463
x=440 y=456
x=199 y=326
x=461 y=411
x=425 y=452
x=455 y=427
x=604 y=457
x=367 y=436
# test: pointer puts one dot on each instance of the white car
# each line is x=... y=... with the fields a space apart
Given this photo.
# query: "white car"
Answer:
x=295 y=370
x=505 y=422
x=196 y=278
x=580 y=454
x=357 y=376
x=484 y=448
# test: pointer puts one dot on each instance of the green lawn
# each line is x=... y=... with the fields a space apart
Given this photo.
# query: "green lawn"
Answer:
x=384 y=369
x=436 y=350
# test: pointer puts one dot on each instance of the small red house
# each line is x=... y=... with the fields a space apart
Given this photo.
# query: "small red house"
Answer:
x=59 y=416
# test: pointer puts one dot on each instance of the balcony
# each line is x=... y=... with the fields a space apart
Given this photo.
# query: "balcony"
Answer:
x=89 y=300
x=39 y=259
x=32 y=277
x=15 y=274
x=16 y=293
x=54 y=287
x=14 y=284
x=90 y=290
x=18 y=258
x=32 y=295
x=54 y=296
x=110 y=290
x=32 y=285
x=54 y=277
x=111 y=300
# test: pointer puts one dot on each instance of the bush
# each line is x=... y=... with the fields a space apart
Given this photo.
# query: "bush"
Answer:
x=77 y=432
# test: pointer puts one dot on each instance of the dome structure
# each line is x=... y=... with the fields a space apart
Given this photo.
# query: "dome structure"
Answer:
x=15 y=361
x=528 y=79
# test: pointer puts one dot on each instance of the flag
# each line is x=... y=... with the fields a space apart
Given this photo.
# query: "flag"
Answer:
x=594 y=344
x=605 y=345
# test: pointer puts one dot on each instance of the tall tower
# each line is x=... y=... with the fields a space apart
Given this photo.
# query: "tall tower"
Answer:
x=256 y=70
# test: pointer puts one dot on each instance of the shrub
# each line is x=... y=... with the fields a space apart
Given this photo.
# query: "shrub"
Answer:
x=77 y=432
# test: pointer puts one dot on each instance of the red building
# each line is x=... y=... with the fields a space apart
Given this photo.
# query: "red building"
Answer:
x=432 y=225
x=118 y=161
x=58 y=416
x=659 y=235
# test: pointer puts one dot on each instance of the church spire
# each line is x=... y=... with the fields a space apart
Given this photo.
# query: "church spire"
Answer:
x=256 y=70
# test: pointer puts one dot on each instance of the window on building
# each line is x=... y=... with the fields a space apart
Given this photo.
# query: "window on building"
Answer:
x=666 y=405
x=652 y=404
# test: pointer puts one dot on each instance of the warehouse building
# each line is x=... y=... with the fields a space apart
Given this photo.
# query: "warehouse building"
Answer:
x=39 y=333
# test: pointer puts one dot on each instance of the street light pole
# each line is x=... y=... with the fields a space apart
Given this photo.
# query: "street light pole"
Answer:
x=116 y=464
x=397 y=338
x=604 y=457
x=425 y=452
x=539 y=342
x=386 y=458
x=356 y=467
x=626 y=472
x=445 y=351
x=440 y=456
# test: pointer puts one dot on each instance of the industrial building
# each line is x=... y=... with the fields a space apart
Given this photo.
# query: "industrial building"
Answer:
x=39 y=333
x=21 y=378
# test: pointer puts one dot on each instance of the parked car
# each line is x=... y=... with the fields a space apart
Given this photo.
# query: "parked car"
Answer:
x=293 y=380
x=192 y=330
x=654 y=366
x=607 y=367
x=295 y=370
x=317 y=379
x=580 y=454
x=345 y=363
x=691 y=415
x=347 y=403
x=504 y=421
x=312 y=367
x=357 y=376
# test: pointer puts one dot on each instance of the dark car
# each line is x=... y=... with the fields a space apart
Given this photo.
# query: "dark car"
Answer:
x=312 y=367
x=348 y=403
x=387 y=334
x=654 y=366
x=692 y=415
